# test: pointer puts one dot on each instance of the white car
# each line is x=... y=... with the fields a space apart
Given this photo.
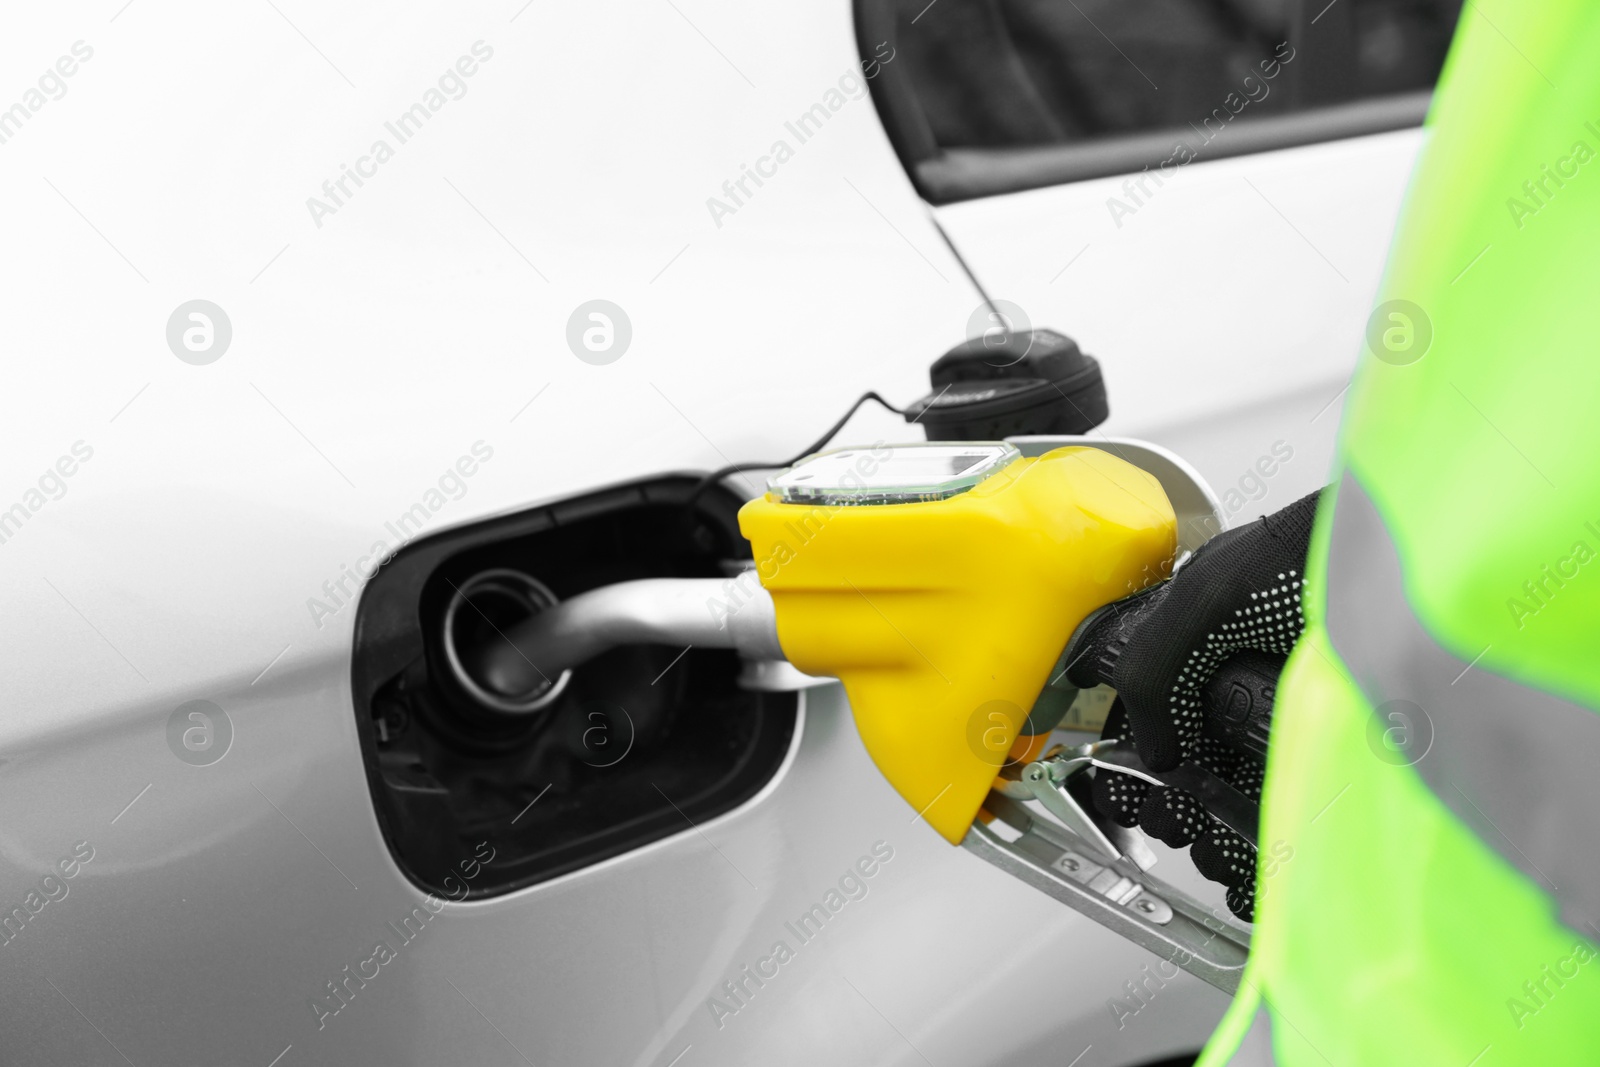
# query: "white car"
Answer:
x=325 y=325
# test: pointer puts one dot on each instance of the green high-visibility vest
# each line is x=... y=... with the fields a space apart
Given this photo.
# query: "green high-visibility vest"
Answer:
x=1435 y=768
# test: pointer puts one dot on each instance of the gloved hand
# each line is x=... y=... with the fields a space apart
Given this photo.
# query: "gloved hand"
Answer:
x=1240 y=590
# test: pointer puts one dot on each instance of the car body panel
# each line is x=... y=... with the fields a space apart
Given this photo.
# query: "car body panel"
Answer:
x=1227 y=308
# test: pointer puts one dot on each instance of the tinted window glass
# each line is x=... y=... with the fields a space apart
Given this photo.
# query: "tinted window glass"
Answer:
x=989 y=75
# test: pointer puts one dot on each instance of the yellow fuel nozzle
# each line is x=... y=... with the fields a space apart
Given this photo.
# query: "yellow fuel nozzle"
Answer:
x=940 y=583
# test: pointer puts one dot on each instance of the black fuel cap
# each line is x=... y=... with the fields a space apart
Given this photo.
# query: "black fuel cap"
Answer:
x=1010 y=382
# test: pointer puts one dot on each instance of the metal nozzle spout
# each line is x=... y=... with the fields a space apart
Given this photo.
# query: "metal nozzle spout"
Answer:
x=668 y=611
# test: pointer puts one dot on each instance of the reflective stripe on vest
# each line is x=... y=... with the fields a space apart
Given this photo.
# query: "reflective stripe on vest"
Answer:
x=1515 y=764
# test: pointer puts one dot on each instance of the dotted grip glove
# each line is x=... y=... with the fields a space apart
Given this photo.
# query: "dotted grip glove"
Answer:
x=1239 y=594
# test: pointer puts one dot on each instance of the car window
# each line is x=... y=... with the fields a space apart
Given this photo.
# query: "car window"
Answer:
x=991 y=95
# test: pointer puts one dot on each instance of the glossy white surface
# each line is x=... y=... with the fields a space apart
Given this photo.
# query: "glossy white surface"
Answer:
x=1227 y=310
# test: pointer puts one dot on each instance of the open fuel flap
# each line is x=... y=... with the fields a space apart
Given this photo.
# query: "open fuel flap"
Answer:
x=940 y=582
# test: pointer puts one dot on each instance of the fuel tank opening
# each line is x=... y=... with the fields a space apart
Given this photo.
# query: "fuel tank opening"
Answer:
x=481 y=612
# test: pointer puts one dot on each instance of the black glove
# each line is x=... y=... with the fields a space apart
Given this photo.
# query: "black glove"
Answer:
x=1239 y=591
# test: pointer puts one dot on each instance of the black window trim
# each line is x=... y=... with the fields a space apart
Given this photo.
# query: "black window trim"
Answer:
x=967 y=173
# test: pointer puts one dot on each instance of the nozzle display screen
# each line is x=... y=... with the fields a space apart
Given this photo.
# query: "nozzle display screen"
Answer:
x=891 y=474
